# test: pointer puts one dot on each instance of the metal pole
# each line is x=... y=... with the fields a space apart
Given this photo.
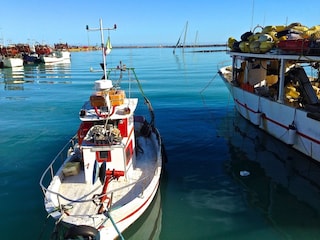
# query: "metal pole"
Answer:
x=103 y=51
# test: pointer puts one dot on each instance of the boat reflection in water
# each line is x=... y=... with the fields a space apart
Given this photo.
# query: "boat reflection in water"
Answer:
x=279 y=182
x=15 y=78
x=149 y=225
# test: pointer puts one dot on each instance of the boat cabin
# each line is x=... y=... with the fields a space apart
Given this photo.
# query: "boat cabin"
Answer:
x=106 y=134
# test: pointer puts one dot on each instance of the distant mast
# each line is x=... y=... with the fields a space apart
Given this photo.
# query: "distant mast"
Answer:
x=196 y=39
x=185 y=35
x=184 y=30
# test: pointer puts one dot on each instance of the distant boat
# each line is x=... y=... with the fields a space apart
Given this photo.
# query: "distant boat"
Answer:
x=11 y=62
x=31 y=58
x=271 y=83
x=59 y=54
x=110 y=170
x=28 y=54
x=56 y=57
x=11 y=57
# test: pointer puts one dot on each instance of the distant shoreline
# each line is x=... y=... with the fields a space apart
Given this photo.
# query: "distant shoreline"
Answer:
x=171 y=46
x=94 y=48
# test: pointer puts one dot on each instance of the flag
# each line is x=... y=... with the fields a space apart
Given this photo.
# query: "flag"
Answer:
x=108 y=47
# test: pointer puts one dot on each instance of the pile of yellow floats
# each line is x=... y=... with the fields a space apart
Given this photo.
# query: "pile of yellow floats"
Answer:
x=291 y=38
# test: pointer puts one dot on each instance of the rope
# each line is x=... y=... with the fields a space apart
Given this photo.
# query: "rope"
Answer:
x=147 y=101
x=114 y=225
x=208 y=84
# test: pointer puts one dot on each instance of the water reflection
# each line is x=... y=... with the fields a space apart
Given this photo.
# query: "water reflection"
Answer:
x=148 y=226
x=15 y=78
x=282 y=184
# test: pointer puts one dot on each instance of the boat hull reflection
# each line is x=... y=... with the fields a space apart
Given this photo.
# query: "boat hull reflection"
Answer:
x=278 y=181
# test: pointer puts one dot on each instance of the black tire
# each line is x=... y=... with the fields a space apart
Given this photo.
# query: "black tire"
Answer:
x=85 y=231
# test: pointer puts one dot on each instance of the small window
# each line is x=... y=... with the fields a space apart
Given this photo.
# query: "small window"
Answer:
x=103 y=156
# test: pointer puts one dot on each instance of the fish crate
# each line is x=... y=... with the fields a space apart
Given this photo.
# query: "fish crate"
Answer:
x=117 y=97
x=98 y=100
x=71 y=169
x=299 y=46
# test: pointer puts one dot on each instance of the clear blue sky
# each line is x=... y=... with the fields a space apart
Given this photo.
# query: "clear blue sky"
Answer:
x=146 y=21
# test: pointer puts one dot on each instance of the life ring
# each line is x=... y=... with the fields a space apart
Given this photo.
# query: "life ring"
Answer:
x=83 y=231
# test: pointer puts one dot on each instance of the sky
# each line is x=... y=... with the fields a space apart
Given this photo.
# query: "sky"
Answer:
x=146 y=21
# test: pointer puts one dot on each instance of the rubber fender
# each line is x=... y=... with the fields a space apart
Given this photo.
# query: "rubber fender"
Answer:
x=82 y=231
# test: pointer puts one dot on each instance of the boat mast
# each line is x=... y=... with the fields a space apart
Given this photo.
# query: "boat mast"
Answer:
x=184 y=30
x=185 y=35
x=196 y=39
x=101 y=29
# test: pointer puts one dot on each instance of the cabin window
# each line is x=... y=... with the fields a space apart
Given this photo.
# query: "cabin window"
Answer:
x=103 y=156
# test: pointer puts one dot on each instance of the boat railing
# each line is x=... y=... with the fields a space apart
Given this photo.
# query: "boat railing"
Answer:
x=54 y=166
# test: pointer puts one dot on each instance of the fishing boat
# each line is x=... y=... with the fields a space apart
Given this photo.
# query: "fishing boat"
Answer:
x=57 y=56
x=11 y=57
x=274 y=81
x=12 y=62
x=108 y=174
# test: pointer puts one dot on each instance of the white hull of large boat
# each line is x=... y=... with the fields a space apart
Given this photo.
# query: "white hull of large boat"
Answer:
x=12 y=62
x=288 y=124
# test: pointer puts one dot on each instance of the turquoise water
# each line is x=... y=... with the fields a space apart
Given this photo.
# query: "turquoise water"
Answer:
x=203 y=195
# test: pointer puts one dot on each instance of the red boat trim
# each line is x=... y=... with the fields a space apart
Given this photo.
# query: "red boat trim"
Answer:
x=277 y=123
x=245 y=106
x=129 y=136
x=135 y=211
x=273 y=121
x=309 y=138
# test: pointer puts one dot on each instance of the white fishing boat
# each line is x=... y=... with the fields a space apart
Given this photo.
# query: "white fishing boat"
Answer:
x=274 y=80
x=12 y=62
x=108 y=174
x=56 y=57
x=10 y=56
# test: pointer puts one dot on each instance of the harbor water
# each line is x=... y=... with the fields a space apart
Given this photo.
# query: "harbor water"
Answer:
x=224 y=178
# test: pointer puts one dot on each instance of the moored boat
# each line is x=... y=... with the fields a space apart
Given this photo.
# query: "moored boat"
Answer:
x=111 y=169
x=277 y=87
x=56 y=57
x=11 y=57
x=11 y=62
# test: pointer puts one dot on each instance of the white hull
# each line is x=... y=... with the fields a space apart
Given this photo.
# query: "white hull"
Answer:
x=277 y=119
x=57 y=57
x=12 y=62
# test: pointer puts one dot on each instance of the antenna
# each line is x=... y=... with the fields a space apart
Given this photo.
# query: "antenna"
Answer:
x=101 y=29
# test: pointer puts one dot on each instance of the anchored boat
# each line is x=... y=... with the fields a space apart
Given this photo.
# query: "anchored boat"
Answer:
x=274 y=80
x=108 y=174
